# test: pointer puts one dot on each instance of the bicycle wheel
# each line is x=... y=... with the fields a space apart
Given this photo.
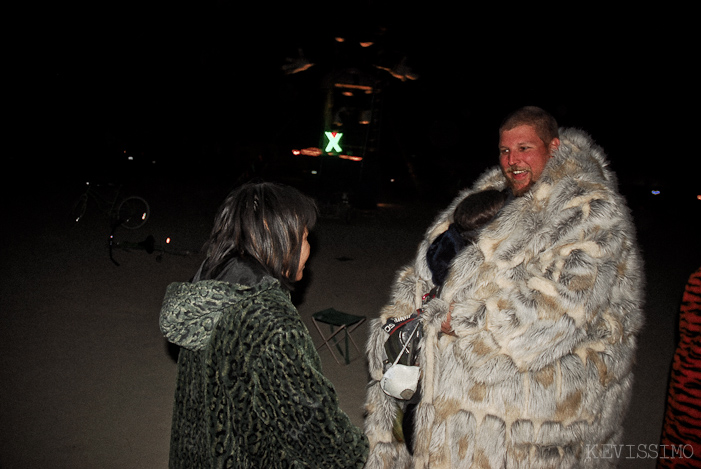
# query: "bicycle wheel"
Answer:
x=79 y=207
x=133 y=212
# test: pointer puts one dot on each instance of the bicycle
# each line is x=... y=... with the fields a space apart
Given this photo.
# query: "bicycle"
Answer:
x=131 y=212
x=150 y=246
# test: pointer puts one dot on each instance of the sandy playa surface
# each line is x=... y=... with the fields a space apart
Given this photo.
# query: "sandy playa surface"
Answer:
x=87 y=379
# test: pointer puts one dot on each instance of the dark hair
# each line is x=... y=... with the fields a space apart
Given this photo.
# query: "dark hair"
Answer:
x=542 y=121
x=472 y=213
x=265 y=221
x=478 y=209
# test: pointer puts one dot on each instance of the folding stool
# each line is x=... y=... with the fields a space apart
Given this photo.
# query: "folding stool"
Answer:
x=344 y=322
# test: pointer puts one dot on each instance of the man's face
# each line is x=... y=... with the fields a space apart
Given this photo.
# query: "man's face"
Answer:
x=523 y=156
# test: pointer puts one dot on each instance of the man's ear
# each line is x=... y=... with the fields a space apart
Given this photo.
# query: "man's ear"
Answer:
x=554 y=145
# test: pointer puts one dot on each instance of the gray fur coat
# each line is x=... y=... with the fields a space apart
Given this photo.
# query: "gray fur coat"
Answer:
x=546 y=308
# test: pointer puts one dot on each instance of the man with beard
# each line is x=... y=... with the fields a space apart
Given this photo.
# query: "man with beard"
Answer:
x=526 y=353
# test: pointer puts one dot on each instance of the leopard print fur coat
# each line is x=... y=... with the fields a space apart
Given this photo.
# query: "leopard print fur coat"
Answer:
x=250 y=392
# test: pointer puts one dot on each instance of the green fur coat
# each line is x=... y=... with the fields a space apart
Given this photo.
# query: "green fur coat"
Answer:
x=250 y=392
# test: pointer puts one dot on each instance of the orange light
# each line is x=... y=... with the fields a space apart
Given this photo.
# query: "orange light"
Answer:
x=167 y=240
x=365 y=88
x=312 y=151
x=350 y=157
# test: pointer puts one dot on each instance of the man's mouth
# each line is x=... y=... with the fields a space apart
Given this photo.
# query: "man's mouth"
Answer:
x=519 y=173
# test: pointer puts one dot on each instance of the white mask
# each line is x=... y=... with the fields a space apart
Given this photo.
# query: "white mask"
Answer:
x=401 y=381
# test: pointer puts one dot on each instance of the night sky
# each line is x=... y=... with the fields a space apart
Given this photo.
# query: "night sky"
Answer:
x=176 y=82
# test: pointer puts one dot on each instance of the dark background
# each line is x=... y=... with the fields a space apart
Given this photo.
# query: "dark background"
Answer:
x=199 y=88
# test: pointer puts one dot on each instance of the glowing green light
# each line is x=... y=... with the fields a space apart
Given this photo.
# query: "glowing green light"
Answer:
x=334 y=141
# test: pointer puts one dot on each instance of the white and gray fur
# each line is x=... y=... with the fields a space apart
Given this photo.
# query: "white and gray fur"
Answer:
x=546 y=308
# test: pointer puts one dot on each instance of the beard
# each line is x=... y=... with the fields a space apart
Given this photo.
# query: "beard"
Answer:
x=518 y=189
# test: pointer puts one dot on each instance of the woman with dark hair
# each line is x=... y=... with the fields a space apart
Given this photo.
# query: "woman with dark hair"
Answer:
x=249 y=391
x=475 y=211
x=266 y=222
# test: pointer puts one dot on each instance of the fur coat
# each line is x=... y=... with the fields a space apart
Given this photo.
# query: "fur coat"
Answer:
x=249 y=391
x=546 y=308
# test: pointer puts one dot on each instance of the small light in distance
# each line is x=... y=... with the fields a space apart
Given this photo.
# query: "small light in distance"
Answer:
x=167 y=240
x=655 y=192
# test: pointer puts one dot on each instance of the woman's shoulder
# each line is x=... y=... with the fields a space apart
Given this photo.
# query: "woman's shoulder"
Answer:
x=267 y=305
x=259 y=323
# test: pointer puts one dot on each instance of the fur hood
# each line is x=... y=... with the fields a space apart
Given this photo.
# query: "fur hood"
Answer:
x=191 y=310
x=546 y=307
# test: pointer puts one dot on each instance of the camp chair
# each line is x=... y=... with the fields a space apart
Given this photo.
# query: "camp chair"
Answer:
x=345 y=323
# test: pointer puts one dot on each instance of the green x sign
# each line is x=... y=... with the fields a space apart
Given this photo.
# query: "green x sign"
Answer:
x=334 y=140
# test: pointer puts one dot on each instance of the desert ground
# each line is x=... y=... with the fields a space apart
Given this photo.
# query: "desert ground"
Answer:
x=87 y=380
